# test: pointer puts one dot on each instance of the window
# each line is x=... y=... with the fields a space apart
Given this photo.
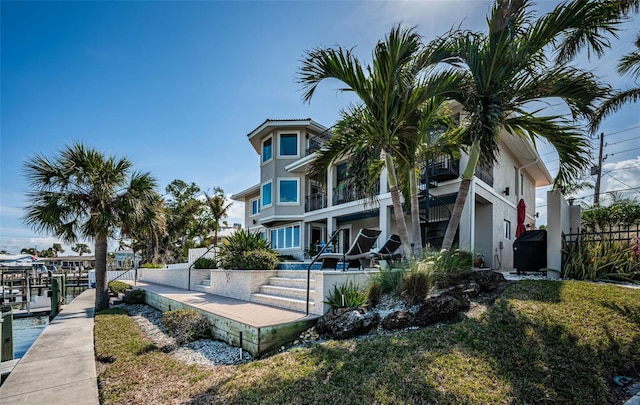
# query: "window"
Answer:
x=266 y=194
x=286 y=237
x=288 y=145
x=255 y=206
x=507 y=229
x=288 y=191
x=267 y=149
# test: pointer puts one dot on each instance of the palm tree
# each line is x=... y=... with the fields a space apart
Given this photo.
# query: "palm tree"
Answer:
x=507 y=70
x=82 y=193
x=218 y=209
x=390 y=92
x=81 y=248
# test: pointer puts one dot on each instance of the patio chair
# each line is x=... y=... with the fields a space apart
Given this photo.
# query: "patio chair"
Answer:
x=356 y=256
x=388 y=250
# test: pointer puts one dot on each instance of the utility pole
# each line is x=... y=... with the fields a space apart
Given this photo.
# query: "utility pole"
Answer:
x=598 y=170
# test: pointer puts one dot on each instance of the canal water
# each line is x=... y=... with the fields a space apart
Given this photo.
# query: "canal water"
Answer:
x=27 y=330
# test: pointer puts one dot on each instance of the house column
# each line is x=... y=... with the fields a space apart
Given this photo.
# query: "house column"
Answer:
x=384 y=223
x=467 y=220
x=329 y=191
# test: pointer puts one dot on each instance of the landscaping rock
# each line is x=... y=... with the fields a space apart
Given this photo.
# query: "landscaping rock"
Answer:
x=470 y=288
x=344 y=323
x=486 y=279
x=438 y=309
x=398 y=320
x=459 y=294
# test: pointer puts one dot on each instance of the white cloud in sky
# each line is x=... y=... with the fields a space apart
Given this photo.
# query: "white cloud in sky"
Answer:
x=623 y=176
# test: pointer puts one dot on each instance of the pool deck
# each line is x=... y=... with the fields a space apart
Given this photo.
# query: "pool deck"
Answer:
x=59 y=368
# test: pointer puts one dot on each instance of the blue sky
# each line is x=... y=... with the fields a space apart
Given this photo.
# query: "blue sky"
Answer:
x=176 y=86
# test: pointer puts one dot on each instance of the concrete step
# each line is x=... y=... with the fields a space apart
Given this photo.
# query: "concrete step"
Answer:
x=293 y=304
x=291 y=282
x=298 y=274
x=206 y=283
x=202 y=288
x=286 y=292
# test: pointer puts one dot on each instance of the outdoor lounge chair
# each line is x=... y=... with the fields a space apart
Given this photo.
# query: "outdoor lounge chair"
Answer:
x=356 y=256
x=388 y=250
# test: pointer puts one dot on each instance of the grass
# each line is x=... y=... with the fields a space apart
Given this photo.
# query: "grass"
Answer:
x=541 y=342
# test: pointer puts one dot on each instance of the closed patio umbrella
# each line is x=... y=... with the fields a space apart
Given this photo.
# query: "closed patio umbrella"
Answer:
x=522 y=211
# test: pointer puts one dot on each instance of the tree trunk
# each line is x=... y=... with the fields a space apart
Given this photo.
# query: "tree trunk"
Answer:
x=397 y=206
x=102 y=293
x=456 y=215
x=418 y=252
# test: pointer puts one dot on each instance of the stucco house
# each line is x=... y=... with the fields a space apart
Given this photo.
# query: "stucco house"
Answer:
x=295 y=213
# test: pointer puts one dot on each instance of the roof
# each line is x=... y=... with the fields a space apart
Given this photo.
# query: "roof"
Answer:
x=245 y=193
x=255 y=135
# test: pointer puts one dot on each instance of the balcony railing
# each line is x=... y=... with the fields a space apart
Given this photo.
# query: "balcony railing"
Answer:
x=315 y=201
x=443 y=168
x=485 y=173
x=348 y=191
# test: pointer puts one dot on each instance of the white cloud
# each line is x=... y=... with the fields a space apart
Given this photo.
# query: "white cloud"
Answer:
x=622 y=176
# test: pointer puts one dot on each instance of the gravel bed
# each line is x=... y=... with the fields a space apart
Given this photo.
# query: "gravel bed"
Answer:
x=204 y=351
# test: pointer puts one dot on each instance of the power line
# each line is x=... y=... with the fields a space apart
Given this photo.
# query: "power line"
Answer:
x=622 y=130
x=624 y=140
x=622 y=182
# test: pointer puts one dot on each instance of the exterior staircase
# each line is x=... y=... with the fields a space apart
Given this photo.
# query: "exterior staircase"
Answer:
x=287 y=290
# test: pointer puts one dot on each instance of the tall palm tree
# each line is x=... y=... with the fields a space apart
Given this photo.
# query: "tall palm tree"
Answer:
x=218 y=208
x=507 y=69
x=82 y=193
x=390 y=92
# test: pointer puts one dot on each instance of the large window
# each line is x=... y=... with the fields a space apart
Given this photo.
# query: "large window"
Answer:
x=507 y=229
x=267 y=149
x=288 y=191
x=266 y=194
x=255 y=206
x=286 y=237
x=288 y=145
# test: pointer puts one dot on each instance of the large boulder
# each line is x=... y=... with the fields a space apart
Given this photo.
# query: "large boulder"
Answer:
x=344 y=323
x=459 y=294
x=397 y=320
x=437 y=309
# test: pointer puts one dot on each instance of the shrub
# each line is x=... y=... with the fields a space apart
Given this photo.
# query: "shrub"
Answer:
x=448 y=267
x=186 y=325
x=205 y=263
x=388 y=279
x=116 y=287
x=346 y=295
x=152 y=266
x=590 y=259
x=415 y=285
x=244 y=250
x=374 y=293
x=135 y=296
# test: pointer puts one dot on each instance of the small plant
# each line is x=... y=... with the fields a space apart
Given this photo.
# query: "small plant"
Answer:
x=205 y=263
x=415 y=285
x=186 y=325
x=448 y=267
x=346 y=295
x=374 y=294
x=117 y=287
x=135 y=296
x=247 y=251
x=389 y=279
x=152 y=266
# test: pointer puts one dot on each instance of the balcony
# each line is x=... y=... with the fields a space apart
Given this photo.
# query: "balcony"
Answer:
x=315 y=201
x=443 y=168
x=348 y=190
x=485 y=173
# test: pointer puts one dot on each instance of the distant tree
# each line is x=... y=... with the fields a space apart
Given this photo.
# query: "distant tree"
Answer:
x=83 y=193
x=217 y=210
x=47 y=253
x=81 y=248
x=4 y=252
x=183 y=219
x=57 y=248
x=28 y=251
x=144 y=234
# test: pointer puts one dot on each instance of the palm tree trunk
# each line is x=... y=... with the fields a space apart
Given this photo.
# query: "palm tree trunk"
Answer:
x=415 y=216
x=463 y=192
x=397 y=205
x=102 y=294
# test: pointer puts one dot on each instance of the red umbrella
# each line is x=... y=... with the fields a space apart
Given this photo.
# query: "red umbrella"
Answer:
x=522 y=212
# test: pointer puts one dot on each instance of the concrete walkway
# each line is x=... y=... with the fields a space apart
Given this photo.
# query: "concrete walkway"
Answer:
x=59 y=368
x=249 y=313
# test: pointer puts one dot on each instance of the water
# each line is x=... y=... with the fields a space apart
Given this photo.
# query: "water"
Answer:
x=27 y=330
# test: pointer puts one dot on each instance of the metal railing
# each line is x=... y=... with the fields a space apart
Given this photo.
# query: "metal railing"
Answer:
x=331 y=242
x=349 y=190
x=315 y=201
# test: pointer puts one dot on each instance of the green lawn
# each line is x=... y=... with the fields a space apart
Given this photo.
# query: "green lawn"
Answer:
x=542 y=342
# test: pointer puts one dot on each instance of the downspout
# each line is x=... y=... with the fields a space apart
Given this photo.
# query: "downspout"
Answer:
x=519 y=177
